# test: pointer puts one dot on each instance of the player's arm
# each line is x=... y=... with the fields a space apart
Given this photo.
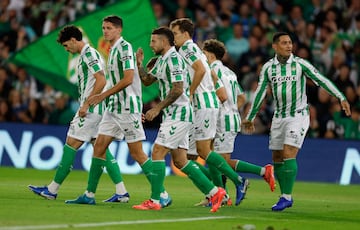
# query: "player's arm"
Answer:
x=241 y=99
x=99 y=85
x=219 y=87
x=122 y=84
x=174 y=94
x=199 y=72
x=326 y=84
x=248 y=122
x=146 y=79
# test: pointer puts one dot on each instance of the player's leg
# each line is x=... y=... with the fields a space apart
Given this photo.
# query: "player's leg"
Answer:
x=215 y=194
x=213 y=158
x=81 y=129
x=294 y=134
x=98 y=163
x=157 y=179
x=112 y=167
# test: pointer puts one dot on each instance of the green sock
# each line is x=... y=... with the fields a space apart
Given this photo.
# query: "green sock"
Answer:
x=96 y=169
x=290 y=172
x=245 y=167
x=112 y=167
x=203 y=169
x=220 y=163
x=65 y=165
x=279 y=173
x=147 y=168
x=197 y=177
x=157 y=179
x=216 y=176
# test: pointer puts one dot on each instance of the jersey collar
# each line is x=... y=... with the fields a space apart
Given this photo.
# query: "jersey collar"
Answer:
x=172 y=49
x=117 y=42
x=276 y=61
x=84 y=48
x=216 y=62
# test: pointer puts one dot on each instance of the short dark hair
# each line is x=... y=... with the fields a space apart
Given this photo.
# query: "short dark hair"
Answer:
x=185 y=25
x=69 y=32
x=116 y=20
x=165 y=31
x=216 y=47
x=277 y=36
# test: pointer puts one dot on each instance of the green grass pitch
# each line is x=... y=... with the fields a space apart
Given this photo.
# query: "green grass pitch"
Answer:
x=316 y=206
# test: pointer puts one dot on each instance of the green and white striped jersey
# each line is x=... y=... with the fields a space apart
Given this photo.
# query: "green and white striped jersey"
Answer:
x=288 y=82
x=168 y=69
x=89 y=63
x=204 y=95
x=121 y=58
x=229 y=116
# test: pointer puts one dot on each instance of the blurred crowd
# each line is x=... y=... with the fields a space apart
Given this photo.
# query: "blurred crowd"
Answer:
x=325 y=32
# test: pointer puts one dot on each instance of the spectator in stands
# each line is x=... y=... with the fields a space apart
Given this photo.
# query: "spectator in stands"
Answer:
x=238 y=44
x=224 y=30
x=161 y=16
x=62 y=114
x=245 y=17
x=5 y=83
x=34 y=112
x=17 y=105
x=5 y=111
x=250 y=62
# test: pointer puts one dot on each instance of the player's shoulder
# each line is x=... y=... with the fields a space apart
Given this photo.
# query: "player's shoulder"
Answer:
x=189 y=46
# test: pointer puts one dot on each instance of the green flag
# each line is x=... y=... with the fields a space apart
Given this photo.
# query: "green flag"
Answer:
x=48 y=61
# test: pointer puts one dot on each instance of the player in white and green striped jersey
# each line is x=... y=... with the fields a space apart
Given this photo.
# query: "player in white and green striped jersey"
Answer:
x=205 y=103
x=123 y=115
x=84 y=126
x=286 y=74
x=173 y=135
x=229 y=122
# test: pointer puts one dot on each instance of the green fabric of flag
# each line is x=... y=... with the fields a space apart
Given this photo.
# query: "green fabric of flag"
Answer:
x=48 y=61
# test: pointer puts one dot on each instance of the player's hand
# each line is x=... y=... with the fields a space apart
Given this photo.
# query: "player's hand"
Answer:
x=346 y=107
x=95 y=99
x=83 y=110
x=248 y=126
x=151 y=114
x=143 y=118
x=139 y=56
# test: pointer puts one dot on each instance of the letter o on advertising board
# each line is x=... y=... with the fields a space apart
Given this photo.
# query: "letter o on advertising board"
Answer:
x=35 y=153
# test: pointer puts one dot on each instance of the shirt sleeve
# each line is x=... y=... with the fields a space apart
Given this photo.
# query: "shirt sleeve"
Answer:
x=259 y=93
x=311 y=72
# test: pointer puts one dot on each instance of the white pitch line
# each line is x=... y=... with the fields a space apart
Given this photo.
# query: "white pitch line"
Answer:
x=86 y=225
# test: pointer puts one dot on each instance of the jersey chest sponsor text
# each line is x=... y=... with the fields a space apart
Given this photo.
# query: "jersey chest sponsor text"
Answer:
x=279 y=79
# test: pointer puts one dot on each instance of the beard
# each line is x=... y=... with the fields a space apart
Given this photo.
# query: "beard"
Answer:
x=158 y=52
